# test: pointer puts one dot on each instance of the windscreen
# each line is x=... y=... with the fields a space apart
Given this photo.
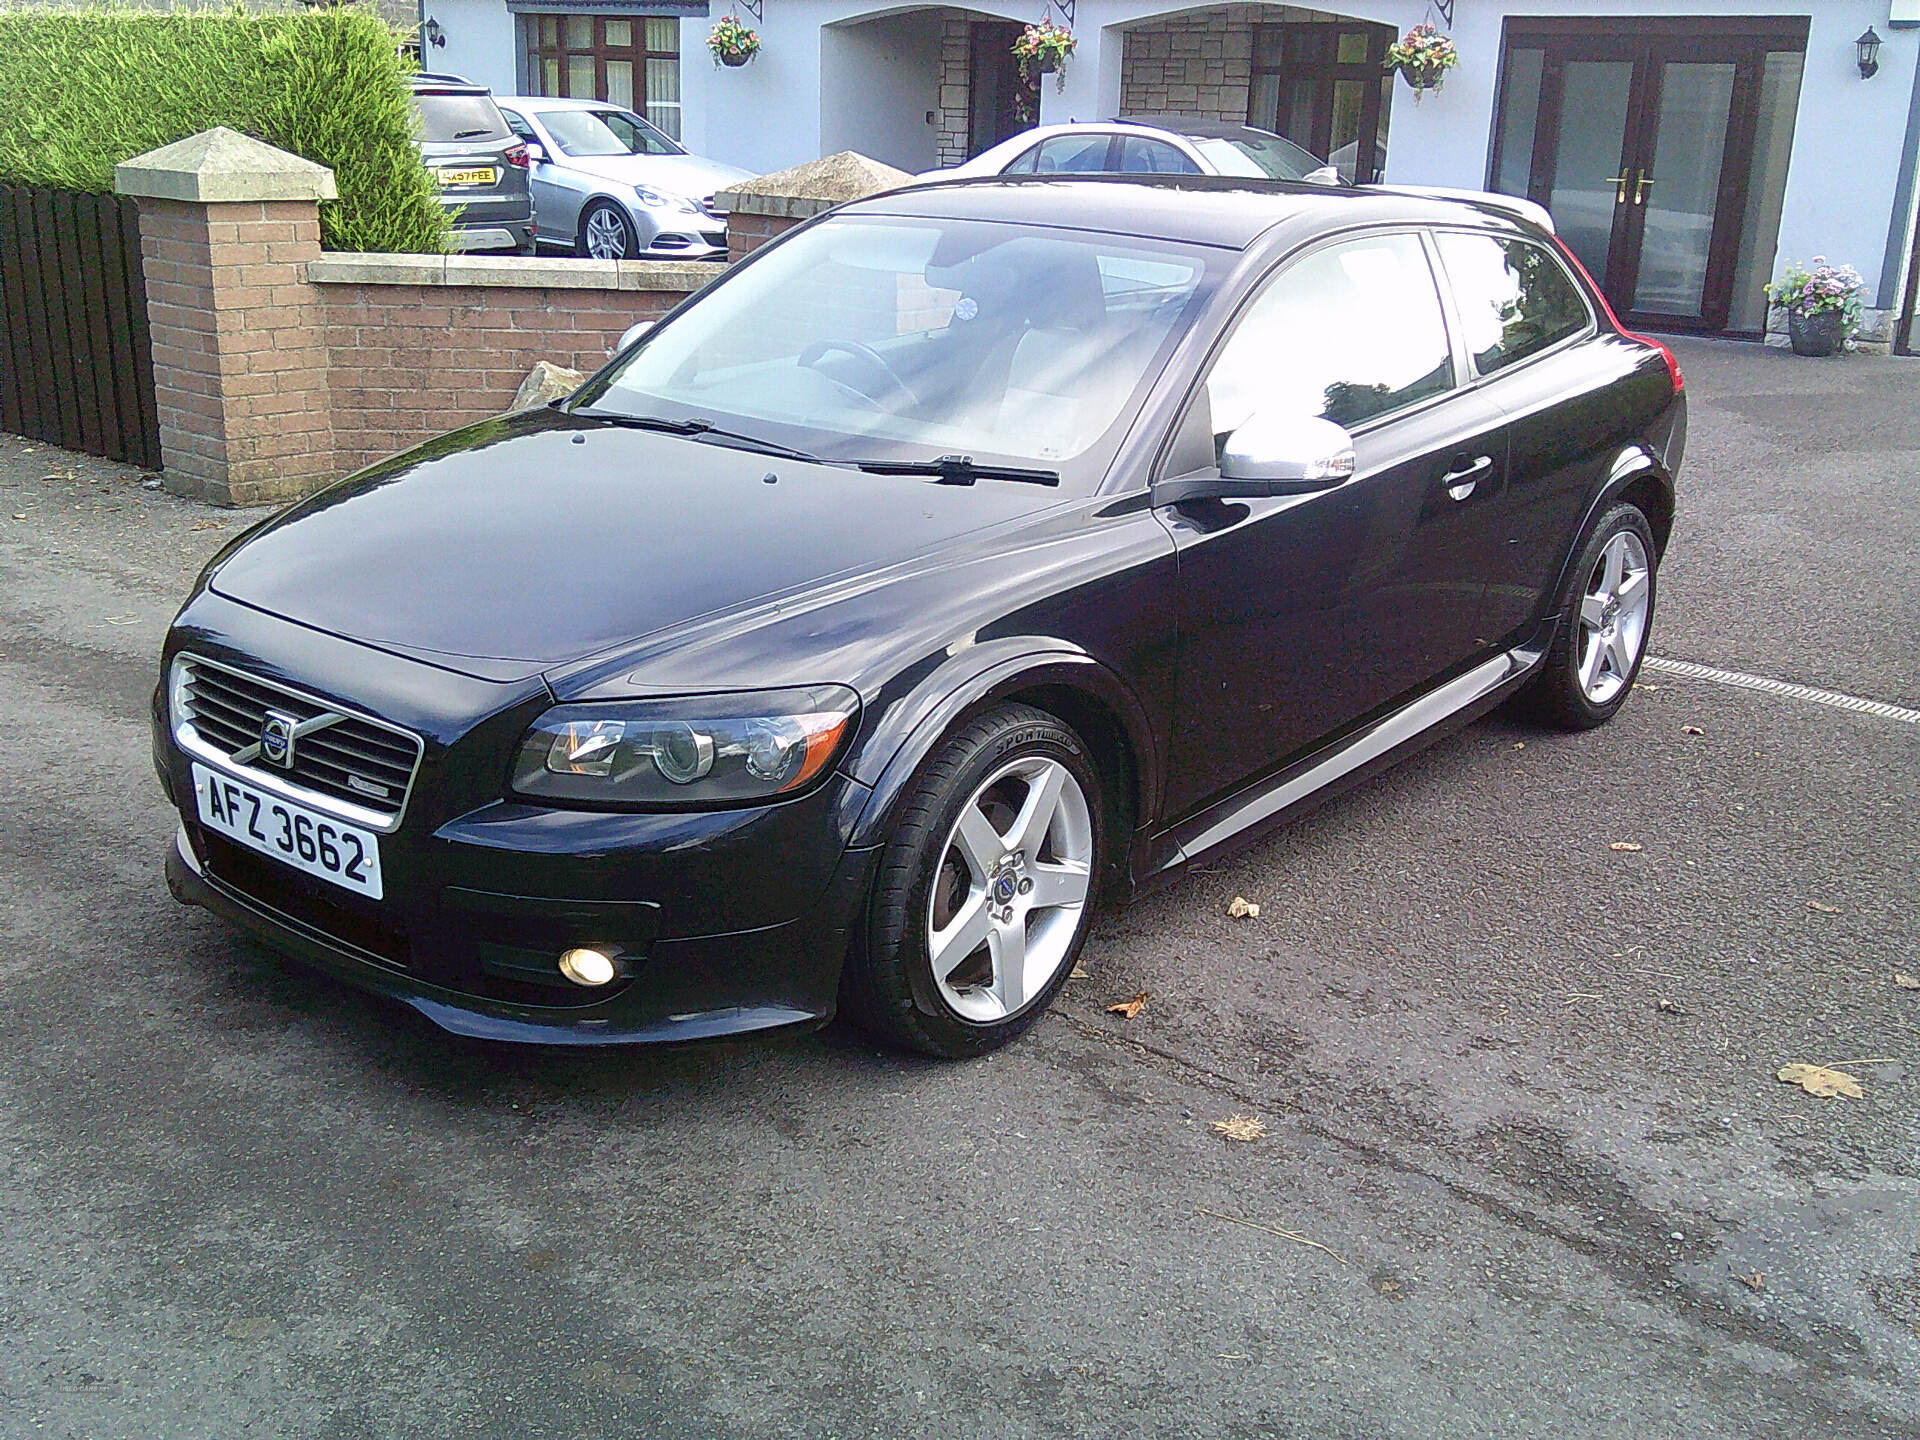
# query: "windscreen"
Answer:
x=907 y=339
x=605 y=132
x=1270 y=156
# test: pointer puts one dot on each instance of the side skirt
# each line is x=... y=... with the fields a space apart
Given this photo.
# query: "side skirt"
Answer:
x=1241 y=819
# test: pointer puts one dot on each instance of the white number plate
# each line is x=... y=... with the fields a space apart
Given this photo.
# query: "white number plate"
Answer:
x=318 y=844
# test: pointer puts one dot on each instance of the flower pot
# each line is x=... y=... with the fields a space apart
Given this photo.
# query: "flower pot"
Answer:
x=1045 y=64
x=1421 y=80
x=1820 y=333
x=734 y=59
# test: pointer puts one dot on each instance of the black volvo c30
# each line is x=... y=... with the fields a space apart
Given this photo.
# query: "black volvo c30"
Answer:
x=973 y=555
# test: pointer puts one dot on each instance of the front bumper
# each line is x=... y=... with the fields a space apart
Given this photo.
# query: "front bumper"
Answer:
x=726 y=921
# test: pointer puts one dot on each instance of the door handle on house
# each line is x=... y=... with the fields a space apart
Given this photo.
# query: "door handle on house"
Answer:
x=1640 y=188
x=1460 y=480
x=1619 y=183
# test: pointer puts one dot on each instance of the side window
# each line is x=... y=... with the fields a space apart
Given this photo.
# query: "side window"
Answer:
x=1141 y=156
x=1515 y=297
x=1349 y=332
x=1023 y=163
x=1072 y=155
x=520 y=127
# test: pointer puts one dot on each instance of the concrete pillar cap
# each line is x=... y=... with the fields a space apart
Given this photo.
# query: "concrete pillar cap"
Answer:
x=223 y=165
x=812 y=188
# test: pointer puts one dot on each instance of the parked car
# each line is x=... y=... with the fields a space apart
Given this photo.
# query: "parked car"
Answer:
x=978 y=553
x=1186 y=145
x=480 y=164
x=608 y=184
x=1155 y=145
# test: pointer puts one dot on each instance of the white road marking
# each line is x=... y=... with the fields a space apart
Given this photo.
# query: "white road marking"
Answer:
x=1787 y=688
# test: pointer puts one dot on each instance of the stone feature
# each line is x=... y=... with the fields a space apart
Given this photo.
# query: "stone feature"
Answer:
x=222 y=165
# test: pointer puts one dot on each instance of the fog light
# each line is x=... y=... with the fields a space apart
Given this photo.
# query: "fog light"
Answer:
x=587 y=967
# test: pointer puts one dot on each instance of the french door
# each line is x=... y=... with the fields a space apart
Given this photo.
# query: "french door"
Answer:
x=1643 y=148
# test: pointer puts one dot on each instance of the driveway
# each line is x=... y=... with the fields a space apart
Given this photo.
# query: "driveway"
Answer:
x=1526 y=1169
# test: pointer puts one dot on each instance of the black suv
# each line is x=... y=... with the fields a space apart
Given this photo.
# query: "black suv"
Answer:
x=480 y=163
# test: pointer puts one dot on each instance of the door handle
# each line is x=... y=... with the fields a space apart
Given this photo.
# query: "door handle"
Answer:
x=1619 y=183
x=1461 y=480
x=1640 y=188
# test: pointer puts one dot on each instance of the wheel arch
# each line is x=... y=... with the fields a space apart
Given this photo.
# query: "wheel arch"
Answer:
x=1061 y=680
x=1637 y=477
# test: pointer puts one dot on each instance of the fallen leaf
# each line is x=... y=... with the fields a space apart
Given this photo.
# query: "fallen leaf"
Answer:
x=1239 y=1127
x=1819 y=1080
x=1519 y=744
x=1638 y=686
x=1692 y=730
x=539 y=1259
x=1079 y=972
x=1823 y=909
x=1668 y=1007
x=1756 y=1282
x=1130 y=1008
x=248 y=1327
x=1905 y=981
x=1243 y=909
x=1627 y=845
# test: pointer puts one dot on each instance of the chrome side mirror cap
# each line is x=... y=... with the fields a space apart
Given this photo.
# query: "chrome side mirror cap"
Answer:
x=631 y=334
x=1293 y=453
x=1325 y=175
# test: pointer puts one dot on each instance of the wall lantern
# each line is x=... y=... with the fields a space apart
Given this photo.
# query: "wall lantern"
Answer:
x=433 y=34
x=1869 y=47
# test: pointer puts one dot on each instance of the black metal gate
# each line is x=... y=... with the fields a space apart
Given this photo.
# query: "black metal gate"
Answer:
x=76 y=360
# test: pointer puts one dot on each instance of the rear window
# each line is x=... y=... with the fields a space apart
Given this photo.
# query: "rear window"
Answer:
x=1516 y=299
x=447 y=118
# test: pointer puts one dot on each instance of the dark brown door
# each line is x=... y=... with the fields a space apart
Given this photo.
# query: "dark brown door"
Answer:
x=1642 y=149
x=1000 y=102
x=1323 y=86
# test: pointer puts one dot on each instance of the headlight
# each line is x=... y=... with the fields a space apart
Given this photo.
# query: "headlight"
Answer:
x=660 y=200
x=700 y=750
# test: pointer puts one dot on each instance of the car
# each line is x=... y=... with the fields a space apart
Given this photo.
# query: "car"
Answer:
x=965 y=559
x=1187 y=145
x=480 y=164
x=609 y=185
x=1145 y=145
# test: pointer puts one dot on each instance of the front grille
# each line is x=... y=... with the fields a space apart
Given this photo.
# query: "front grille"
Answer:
x=362 y=761
x=302 y=898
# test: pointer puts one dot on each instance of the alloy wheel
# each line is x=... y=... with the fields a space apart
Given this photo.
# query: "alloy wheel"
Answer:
x=1011 y=889
x=606 y=235
x=1613 y=617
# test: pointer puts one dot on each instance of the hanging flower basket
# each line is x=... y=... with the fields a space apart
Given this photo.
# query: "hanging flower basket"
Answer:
x=1043 y=50
x=1423 y=56
x=732 y=43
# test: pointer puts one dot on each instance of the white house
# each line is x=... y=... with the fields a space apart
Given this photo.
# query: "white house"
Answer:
x=1686 y=148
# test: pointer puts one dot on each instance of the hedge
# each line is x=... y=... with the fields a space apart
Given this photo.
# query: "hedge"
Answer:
x=86 y=89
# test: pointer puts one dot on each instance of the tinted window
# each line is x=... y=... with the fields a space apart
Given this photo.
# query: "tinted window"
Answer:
x=1516 y=299
x=1140 y=156
x=1349 y=332
x=1072 y=155
x=1023 y=165
x=445 y=118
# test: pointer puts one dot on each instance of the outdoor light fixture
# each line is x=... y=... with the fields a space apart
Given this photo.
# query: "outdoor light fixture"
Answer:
x=433 y=34
x=1869 y=47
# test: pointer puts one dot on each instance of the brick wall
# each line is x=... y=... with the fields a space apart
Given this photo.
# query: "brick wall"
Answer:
x=956 y=81
x=747 y=232
x=1195 y=64
x=409 y=361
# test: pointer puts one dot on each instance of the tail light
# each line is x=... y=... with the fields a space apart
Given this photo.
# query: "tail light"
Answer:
x=516 y=156
x=1666 y=354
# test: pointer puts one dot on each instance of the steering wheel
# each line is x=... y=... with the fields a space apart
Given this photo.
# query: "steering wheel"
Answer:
x=820 y=349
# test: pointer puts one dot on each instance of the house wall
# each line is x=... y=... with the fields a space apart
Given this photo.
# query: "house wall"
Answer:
x=889 y=74
x=481 y=43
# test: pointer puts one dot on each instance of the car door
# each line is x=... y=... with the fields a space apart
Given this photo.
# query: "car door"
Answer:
x=1529 y=337
x=556 y=195
x=1302 y=614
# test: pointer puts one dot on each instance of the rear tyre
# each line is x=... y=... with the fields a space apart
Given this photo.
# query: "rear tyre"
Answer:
x=1606 y=613
x=606 y=233
x=984 y=892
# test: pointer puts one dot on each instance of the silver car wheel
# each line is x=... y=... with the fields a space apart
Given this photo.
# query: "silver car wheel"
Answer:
x=1011 y=889
x=1613 y=617
x=607 y=234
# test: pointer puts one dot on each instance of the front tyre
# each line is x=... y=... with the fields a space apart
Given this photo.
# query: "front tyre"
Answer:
x=606 y=233
x=1606 y=612
x=984 y=893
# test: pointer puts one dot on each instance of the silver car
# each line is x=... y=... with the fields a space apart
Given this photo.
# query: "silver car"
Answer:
x=608 y=185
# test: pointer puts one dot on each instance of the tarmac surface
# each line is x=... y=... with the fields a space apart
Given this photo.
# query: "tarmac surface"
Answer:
x=1527 y=1169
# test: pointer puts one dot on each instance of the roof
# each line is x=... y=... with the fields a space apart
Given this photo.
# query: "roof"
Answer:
x=1192 y=125
x=1197 y=209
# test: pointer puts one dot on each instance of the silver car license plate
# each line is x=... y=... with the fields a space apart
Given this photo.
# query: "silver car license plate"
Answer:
x=346 y=855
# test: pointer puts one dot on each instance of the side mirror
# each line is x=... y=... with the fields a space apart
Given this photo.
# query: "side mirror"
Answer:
x=1295 y=453
x=1325 y=175
x=536 y=152
x=631 y=334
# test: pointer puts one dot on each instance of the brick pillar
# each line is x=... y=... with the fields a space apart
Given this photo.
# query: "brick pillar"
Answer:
x=227 y=226
x=762 y=209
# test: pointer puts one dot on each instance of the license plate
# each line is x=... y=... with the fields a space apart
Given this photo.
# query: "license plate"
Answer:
x=475 y=175
x=292 y=834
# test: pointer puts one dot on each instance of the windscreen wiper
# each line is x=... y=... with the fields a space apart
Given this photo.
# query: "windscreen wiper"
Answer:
x=696 y=426
x=958 y=470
